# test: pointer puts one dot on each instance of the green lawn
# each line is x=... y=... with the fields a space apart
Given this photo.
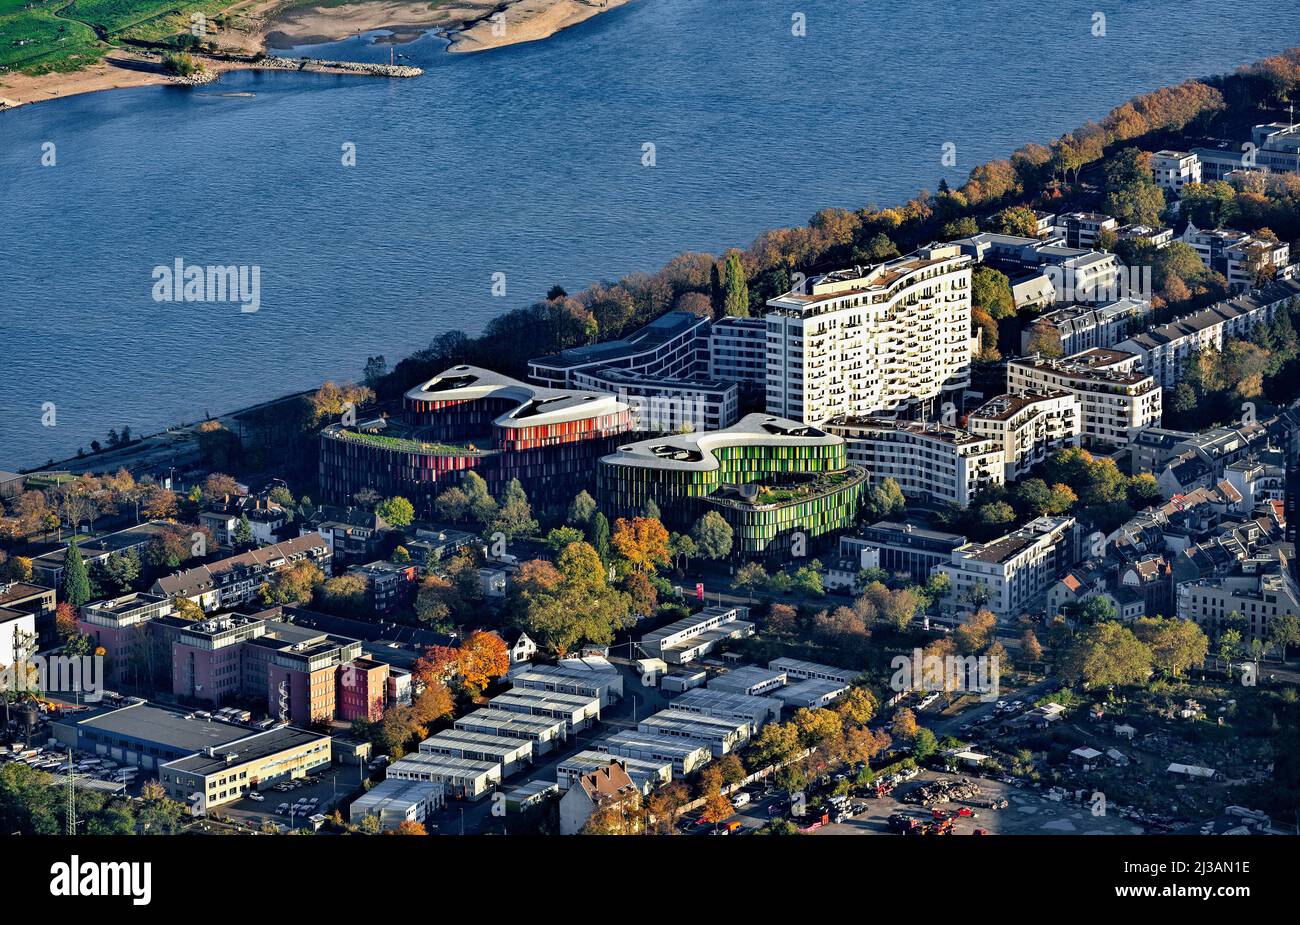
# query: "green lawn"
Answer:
x=59 y=35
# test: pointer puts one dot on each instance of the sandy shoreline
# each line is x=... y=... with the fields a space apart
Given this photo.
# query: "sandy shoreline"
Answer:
x=470 y=25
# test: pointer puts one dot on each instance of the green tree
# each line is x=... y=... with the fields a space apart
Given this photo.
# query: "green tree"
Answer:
x=1131 y=192
x=736 y=297
x=712 y=536
x=397 y=511
x=1015 y=220
x=748 y=578
x=76 y=582
x=990 y=290
x=452 y=505
x=600 y=535
x=560 y=537
x=1175 y=644
x=514 y=514
x=581 y=510
x=1106 y=654
x=244 y=532
x=886 y=498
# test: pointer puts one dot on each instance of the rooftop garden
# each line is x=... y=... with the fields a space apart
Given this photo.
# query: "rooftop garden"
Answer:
x=411 y=445
x=789 y=492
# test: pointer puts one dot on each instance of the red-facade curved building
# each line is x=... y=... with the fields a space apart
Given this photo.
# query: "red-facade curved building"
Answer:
x=470 y=418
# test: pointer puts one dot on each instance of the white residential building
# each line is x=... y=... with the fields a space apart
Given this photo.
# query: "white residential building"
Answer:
x=738 y=350
x=1081 y=229
x=1075 y=328
x=888 y=337
x=1259 y=599
x=1073 y=274
x=1028 y=427
x=1173 y=170
x=932 y=461
x=1006 y=575
x=1165 y=349
x=1278 y=146
x=1240 y=257
x=1118 y=400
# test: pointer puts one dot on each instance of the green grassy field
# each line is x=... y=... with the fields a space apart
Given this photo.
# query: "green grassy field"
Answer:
x=40 y=36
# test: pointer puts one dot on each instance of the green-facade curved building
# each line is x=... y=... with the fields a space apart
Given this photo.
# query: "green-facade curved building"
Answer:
x=770 y=478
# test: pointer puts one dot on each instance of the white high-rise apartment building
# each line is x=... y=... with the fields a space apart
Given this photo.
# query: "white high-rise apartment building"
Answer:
x=894 y=337
x=1118 y=400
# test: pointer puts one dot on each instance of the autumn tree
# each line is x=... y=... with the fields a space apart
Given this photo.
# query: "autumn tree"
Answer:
x=483 y=657
x=569 y=603
x=641 y=542
x=218 y=485
x=664 y=807
x=296 y=583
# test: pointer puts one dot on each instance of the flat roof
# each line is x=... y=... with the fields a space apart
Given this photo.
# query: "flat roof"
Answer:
x=648 y=741
x=811 y=689
x=504 y=719
x=446 y=765
x=485 y=742
x=795 y=666
x=254 y=748
x=556 y=700
x=746 y=676
x=148 y=723
x=649 y=337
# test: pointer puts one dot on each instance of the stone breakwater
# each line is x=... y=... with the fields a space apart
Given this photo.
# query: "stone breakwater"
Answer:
x=348 y=67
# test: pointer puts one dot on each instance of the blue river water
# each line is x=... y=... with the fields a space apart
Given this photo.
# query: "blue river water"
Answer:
x=525 y=161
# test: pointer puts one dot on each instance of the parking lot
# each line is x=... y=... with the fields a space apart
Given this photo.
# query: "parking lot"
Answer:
x=326 y=787
x=1028 y=812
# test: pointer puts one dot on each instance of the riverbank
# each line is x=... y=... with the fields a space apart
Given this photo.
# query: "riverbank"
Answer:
x=470 y=25
x=528 y=21
x=252 y=26
x=122 y=70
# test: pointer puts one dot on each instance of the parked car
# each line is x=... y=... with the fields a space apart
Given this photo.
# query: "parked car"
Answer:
x=255 y=796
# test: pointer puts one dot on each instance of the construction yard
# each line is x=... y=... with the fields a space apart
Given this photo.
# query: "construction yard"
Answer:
x=1028 y=811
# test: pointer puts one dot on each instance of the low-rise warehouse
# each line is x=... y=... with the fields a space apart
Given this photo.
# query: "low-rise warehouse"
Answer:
x=811 y=693
x=799 y=670
x=692 y=637
x=749 y=679
x=512 y=754
x=463 y=778
x=753 y=710
x=397 y=801
x=684 y=754
x=720 y=735
x=142 y=735
x=544 y=732
x=577 y=711
x=604 y=686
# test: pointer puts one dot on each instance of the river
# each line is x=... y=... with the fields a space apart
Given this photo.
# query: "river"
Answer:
x=526 y=161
